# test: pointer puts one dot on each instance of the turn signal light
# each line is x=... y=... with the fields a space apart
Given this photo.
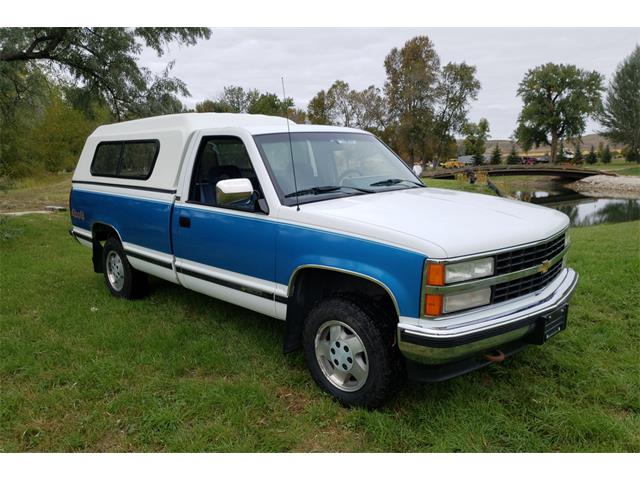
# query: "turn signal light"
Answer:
x=435 y=274
x=433 y=305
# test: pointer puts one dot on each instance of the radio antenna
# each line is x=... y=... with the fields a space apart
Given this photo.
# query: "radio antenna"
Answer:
x=293 y=164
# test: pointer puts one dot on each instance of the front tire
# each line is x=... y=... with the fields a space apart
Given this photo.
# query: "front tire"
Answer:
x=350 y=353
x=121 y=278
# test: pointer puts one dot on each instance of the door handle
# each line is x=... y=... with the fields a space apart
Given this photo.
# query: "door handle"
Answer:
x=184 y=222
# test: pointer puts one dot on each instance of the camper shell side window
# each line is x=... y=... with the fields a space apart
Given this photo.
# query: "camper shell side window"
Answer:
x=132 y=159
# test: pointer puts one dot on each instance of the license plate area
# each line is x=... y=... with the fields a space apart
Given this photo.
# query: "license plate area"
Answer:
x=549 y=325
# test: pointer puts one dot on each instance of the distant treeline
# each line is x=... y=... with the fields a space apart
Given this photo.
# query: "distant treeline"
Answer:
x=58 y=84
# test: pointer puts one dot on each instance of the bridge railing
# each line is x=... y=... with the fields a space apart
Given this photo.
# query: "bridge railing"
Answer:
x=561 y=170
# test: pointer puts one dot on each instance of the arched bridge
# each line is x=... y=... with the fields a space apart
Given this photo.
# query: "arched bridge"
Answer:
x=566 y=172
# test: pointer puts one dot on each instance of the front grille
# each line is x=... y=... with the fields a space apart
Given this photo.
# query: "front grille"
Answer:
x=528 y=257
x=522 y=286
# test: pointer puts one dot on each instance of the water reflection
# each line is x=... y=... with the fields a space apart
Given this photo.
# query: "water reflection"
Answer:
x=582 y=211
x=601 y=210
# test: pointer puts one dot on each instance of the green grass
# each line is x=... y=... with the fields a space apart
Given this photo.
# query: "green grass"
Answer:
x=35 y=193
x=457 y=185
x=177 y=371
x=618 y=165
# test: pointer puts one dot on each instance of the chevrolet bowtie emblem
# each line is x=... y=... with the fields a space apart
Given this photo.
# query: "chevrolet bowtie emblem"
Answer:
x=544 y=268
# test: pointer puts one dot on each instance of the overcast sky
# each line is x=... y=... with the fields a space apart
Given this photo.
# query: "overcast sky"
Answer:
x=311 y=59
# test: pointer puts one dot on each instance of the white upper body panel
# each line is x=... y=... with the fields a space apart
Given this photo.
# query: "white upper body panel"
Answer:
x=436 y=222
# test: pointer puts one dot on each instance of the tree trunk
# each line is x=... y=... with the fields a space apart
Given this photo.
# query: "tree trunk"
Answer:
x=554 y=146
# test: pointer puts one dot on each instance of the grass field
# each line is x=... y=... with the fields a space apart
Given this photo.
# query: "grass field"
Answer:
x=177 y=371
x=36 y=193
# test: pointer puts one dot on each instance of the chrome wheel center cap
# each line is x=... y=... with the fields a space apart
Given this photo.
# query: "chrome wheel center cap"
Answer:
x=341 y=356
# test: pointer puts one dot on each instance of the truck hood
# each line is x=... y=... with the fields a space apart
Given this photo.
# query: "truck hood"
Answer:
x=437 y=222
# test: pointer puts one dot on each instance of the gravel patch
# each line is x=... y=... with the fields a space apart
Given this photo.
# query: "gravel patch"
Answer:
x=617 y=187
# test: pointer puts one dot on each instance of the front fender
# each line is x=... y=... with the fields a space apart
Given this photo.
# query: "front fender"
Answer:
x=397 y=270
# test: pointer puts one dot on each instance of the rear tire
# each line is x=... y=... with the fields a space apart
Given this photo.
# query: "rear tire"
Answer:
x=351 y=353
x=121 y=278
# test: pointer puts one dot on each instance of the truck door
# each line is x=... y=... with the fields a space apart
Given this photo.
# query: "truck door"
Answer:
x=227 y=252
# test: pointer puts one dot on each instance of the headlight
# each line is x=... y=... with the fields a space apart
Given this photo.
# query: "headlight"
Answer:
x=462 y=301
x=463 y=271
x=437 y=295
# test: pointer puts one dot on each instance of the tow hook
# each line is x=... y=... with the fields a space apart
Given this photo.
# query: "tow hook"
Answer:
x=496 y=356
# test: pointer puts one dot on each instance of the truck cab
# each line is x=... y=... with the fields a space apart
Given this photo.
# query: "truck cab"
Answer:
x=376 y=276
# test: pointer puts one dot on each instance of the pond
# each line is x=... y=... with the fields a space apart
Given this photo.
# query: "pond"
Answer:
x=581 y=210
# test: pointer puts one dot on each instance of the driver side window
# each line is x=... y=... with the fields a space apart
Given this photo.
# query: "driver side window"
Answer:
x=222 y=158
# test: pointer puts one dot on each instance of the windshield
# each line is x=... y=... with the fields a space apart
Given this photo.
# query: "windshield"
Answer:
x=330 y=164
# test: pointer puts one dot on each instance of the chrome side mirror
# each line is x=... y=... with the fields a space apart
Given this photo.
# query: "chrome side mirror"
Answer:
x=233 y=190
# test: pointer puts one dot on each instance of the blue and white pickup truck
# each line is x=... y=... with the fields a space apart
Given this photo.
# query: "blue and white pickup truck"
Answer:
x=376 y=275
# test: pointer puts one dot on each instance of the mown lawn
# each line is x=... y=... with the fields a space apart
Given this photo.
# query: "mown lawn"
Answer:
x=83 y=371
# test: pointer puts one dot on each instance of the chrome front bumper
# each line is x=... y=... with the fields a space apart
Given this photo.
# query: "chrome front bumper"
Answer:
x=452 y=338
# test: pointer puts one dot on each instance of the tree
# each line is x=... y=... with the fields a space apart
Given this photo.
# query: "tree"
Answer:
x=513 y=158
x=606 y=154
x=621 y=113
x=557 y=100
x=561 y=153
x=410 y=88
x=61 y=133
x=475 y=142
x=297 y=115
x=496 y=155
x=368 y=108
x=319 y=110
x=212 y=106
x=600 y=152
x=340 y=105
x=591 y=156
x=101 y=61
x=45 y=132
x=457 y=86
x=235 y=99
x=578 y=158
x=270 y=104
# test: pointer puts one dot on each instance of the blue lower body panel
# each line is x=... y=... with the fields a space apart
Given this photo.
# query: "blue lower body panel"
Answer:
x=138 y=221
x=255 y=246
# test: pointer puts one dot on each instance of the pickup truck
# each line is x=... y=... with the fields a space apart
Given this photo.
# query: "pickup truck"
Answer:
x=377 y=276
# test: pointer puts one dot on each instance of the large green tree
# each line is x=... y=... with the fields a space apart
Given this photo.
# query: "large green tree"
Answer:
x=558 y=100
x=621 y=114
x=101 y=61
x=457 y=87
x=411 y=91
x=475 y=142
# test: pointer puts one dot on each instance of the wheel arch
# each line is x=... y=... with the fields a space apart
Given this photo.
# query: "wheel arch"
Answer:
x=100 y=232
x=310 y=283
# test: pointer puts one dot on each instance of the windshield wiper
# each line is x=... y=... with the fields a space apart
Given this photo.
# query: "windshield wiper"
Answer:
x=326 y=189
x=394 y=181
